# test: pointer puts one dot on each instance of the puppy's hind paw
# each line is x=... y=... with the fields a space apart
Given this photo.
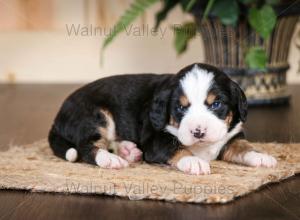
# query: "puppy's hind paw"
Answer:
x=108 y=160
x=129 y=151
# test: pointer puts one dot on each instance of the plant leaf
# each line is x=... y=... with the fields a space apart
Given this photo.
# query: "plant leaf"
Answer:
x=136 y=9
x=167 y=7
x=209 y=5
x=187 y=5
x=227 y=11
x=256 y=58
x=262 y=20
x=183 y=34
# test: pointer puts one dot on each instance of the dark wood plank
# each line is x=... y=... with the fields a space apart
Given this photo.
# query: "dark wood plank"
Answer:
x=27 y=112
x=276 y=123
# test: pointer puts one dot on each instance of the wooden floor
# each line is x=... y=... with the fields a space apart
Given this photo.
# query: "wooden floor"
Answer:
x=27 y=111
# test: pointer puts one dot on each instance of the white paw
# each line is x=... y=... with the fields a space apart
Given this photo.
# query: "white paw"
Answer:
x=193 y=165
x=256 y=159
x=108 y=160
x=129 y=151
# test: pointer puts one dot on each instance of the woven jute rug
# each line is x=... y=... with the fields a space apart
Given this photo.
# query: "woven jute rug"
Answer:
x=33 y=167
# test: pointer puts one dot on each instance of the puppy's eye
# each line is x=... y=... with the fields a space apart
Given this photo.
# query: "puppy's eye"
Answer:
x=181 y=108
x=215 y=105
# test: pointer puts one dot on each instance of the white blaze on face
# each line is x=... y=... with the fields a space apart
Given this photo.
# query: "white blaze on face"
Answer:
x=196 y=85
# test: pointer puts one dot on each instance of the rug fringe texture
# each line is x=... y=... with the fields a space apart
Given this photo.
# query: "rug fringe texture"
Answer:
x=33 y=167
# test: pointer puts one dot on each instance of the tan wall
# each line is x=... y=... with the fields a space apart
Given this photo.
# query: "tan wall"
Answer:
x=36 y=47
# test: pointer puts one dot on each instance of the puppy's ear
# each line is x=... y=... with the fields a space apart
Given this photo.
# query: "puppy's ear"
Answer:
x=240 y=101
x=159 y=109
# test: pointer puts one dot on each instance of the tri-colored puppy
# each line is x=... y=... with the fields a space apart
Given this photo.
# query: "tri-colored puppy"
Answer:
x=184 y=120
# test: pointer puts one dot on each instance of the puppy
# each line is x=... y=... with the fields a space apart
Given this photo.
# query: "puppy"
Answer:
x=184 y=120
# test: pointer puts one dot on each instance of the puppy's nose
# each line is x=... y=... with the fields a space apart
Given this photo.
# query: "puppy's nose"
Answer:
x=198 y=134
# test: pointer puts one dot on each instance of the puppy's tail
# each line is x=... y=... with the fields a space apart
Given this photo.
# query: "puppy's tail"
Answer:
x=62 y=147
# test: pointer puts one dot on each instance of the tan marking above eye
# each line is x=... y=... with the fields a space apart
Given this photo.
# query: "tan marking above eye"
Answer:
x=184 y=101
x=210 y=98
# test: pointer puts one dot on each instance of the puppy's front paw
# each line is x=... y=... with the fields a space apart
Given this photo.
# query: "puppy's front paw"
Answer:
x=129 y=151
x=193 y=165
x=256 y=159
x=108 y=160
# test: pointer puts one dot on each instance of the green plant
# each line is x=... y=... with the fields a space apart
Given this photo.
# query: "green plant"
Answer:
x=258 y=13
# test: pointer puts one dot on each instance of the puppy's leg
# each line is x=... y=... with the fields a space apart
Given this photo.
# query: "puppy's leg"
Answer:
x=186 y=162
x=163 y=148
x=109 y=160
x=61 y=147
x=241 y=151
x=129 y=151
x=100 y=156
x=97 y=152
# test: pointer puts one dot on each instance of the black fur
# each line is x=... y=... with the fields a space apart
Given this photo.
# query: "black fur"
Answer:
x=158 y=114
x=141 y=106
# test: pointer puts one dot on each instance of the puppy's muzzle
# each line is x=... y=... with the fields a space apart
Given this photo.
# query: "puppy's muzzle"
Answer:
x=198 y=133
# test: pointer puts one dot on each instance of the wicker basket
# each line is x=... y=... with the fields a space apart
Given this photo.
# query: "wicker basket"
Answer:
x=225 y=48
